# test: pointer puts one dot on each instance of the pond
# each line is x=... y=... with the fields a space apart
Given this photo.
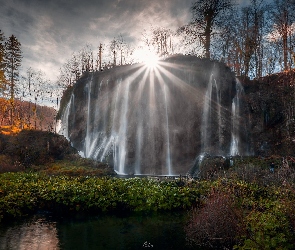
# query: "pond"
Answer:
x=45 y=231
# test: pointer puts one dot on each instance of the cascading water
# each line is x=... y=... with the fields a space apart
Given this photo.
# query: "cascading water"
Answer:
x=122 y=135
x=206 y=118
x=64 y=129
x=88 y=140
x=156 y=121
x=212 y=112
x=212 y=119
x=168 y=156
x=235 y=137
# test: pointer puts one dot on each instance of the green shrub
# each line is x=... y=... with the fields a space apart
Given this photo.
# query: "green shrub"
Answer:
x=33 y=147
x=29 y=192
x=268 y=230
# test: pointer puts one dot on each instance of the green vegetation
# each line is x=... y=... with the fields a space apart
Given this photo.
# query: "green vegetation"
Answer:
x=250 y=206
x=227 y=210
x=24 y=193
x=246 y=203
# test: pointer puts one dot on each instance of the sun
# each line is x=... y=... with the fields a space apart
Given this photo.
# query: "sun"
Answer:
x=147 y=57
x=151 y=60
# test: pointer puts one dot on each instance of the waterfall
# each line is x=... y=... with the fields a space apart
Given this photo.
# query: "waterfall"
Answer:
x=235 y=123
x=88 y=142
x=122 y=134
x=195 y=169
x=138 y=147
x=64 y=129
x=168 y=155
x=211 y=114
x=156 y=122
x=206 y=128
x=219 y=116
x=114 y=137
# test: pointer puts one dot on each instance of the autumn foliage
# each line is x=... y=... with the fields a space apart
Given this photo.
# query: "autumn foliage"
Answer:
x=25 y=115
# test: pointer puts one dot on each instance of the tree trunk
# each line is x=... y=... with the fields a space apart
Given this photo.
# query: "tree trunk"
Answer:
x=208 y=29
x=207 y=40
x=285 y=50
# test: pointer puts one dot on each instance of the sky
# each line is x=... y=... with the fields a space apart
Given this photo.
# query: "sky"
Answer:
x=51 y=31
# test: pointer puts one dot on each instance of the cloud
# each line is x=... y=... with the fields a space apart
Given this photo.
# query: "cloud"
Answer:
x=50 y=31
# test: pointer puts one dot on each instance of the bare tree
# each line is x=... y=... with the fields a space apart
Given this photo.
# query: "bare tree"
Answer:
x=252 y=25
x=208 y=15
x=283 y=17
x=86 y=57
x=121 y=44
x=161 y=40
x=99 y=58
x=120 y=51
x=113 y=49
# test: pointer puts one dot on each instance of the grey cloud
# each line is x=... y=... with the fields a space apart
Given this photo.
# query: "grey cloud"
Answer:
x=50 y=31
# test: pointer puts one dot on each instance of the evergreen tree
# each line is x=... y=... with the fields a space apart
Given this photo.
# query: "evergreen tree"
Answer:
x=13 y=57
x=2 y=63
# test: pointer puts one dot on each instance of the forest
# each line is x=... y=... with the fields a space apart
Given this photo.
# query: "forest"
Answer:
x=241 y=202
x=254 y=40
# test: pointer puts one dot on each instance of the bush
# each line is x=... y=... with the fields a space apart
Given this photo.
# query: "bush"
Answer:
x=32 y=147
x=217 y=224
x=7 y=165
x=21 y=193
x=268 y=230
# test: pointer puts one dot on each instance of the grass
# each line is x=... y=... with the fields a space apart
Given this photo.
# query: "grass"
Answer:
x=45 y=152
x=74 y=166
x=245 y=205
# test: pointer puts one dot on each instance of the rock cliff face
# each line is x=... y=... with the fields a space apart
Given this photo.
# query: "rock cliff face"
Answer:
x=157 y=121
x=271 y=112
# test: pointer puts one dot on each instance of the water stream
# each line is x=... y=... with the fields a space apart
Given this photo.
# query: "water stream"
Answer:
x=105 y=232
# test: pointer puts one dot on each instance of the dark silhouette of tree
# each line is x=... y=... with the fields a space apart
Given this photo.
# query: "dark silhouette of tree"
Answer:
x=252 y=22
x=99 y=58
x=189 y=40
x=121 y=44
x=161 y=40
x=113 y=48
x=120 y=51
x=13 y=58
x=243 y=39
x=86 y=55
x=2 y=63
x=283 y=17
x=75 y=69
x=66 y=77
x=207 y=15
x=80 y=62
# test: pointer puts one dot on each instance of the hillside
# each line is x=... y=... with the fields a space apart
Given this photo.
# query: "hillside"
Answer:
x=271 y=110
x=27 y=115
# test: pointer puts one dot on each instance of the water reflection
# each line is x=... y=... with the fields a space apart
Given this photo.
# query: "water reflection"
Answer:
x=37 y=233
x=101 y=232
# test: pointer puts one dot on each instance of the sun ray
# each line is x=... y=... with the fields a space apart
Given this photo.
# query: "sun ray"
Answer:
x=178 y=82
x=161 y=69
